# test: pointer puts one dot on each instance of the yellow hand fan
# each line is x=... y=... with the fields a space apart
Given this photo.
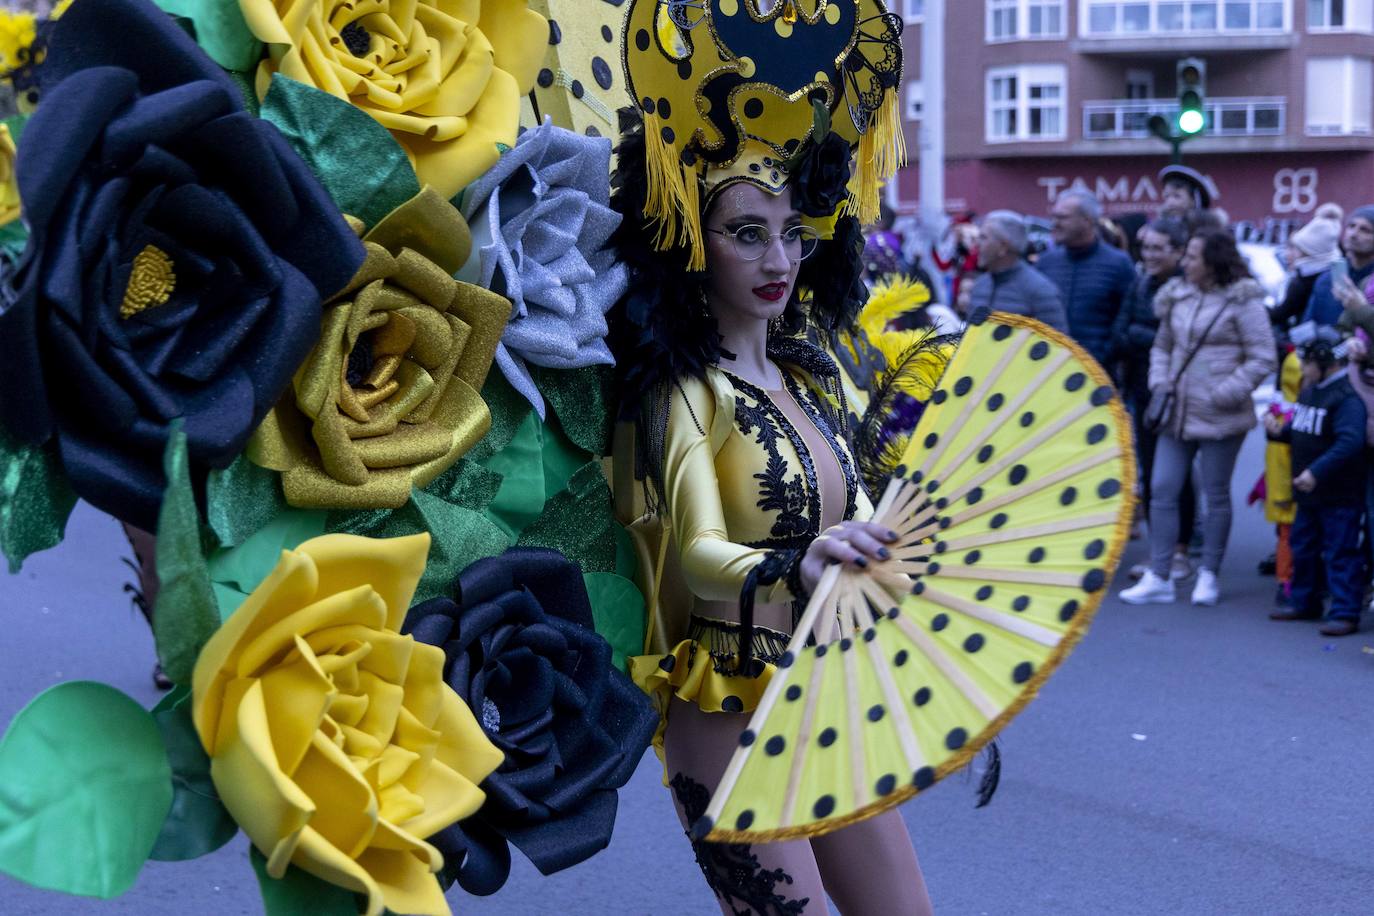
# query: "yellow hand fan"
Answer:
x=1013 y=505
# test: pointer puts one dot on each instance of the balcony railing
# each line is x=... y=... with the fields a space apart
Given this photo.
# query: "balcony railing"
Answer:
x=1180 y=18
x=1128 y=119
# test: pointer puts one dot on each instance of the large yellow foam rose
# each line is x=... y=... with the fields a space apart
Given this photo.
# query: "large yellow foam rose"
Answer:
x=444 y=76
x=334 y=741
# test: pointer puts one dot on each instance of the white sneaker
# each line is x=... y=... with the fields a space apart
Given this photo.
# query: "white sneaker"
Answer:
x=1136 y=571
x=1180 y=567
x=1205 y=591
x=1151 y=589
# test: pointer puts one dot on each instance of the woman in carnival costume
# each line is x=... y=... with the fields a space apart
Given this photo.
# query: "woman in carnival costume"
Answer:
x=742 y=231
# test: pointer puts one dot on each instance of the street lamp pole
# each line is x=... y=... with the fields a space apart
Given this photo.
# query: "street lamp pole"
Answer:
x=932 y=133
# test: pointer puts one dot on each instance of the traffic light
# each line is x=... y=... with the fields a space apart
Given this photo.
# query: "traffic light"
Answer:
x=1192 y=78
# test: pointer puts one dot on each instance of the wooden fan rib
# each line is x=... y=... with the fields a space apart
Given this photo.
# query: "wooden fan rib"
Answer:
x=794 y=777
x=1041 y=483
x=1009 y=535
x=1018 y=625
x=726 y=786
x=1009 y=410
x=991 y=574
x=971 y=402
x=858 y=765
x=1021 y=451
x=952 y=672
x=906 y=732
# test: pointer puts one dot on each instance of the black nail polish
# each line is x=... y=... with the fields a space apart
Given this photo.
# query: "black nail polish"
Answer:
x=884 y=553
x=861 y=562
x=892 y=535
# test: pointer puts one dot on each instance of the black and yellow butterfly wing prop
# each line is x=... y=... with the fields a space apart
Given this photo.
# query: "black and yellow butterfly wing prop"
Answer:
x=1013 y=505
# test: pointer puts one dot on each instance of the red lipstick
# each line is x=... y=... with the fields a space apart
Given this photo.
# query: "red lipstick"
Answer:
x=771 y=291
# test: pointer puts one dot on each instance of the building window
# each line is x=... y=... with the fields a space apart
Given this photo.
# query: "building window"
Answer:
x=1026 y=103
x=915 y=11
x=1340 y=15
x=1137 y=17
x=1015 y=20
x=915 y=101
x=1340 y=91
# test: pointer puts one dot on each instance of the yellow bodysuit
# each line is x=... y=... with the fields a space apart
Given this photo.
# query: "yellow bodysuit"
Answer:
x=748 y=476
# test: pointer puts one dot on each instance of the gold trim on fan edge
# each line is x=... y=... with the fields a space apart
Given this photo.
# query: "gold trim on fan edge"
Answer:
x=1120 y=538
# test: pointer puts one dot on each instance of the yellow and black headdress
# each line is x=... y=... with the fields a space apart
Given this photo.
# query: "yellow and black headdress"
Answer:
x=731 y=90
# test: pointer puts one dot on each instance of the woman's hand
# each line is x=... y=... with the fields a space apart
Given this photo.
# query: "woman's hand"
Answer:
x=1356 y=349
x=851 y=543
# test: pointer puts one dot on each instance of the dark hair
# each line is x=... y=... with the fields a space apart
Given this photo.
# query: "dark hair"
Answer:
x=661 y=330
x=1222 y=257
x=1172 y=229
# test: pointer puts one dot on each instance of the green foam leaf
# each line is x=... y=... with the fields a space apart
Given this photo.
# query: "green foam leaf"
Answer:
x=241 y=499
x=579 y=522
x=618 y=610
x=581 y=400
x=35 y=499
x=198 y=822
x=236 y=571
x=219 y=30
x=186 y=612
x=298 y=892
x=85 y=787
x=356 y=159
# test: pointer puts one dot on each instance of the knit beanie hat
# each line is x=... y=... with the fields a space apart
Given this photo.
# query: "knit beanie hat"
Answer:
x=1365 y=213
x=1318 y=238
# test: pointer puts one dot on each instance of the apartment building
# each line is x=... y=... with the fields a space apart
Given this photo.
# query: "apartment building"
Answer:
x=1042 y=95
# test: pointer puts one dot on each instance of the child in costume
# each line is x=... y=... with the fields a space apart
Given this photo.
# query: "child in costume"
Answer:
x=735 y=210
x=1275 y=487
x=1327 y=433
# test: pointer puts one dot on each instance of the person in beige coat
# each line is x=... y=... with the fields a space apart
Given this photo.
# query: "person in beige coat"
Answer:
x=1217 y=309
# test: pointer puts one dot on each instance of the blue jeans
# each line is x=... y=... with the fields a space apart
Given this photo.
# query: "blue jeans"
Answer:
x=1173 y=461
x=1327 y=538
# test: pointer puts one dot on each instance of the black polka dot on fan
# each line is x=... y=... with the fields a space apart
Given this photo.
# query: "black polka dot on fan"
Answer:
x=545 y=78
x=1068 y=610
x=923 y=778
x=555 y=33
x=1067 y=497
x=972 y=557
x=1096 y=433
x=1027 y=419
x=1021 y=603
x=875 y=712
x=939 y=397
x=974 y=643
x=956 y=739
x=1001 y=332
x=606 y=34
x=931 y=440
x=1039 y=350
x=745 y=820
x=921 y=697
x=827 y=737
x=939 y=622
x=1036 y=555
x=963 y=386
x=1109 y=488
x=601 y=72
x=1018 y=475
x=747 y=737
x=984 y=593
x=775 y=745
x=793 y=693
x=1094 y=549
x=1101 y=395
x=1094 y=580
x=824 y=807
x=998 y=520
x=753 y=108
x=1022 y=673
x=1075 y=381
x=975 y=496
x=995 y=403
x=900 y=658
x=885 y=785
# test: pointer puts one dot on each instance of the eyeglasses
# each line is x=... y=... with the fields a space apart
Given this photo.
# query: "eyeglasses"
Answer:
x=752 y=242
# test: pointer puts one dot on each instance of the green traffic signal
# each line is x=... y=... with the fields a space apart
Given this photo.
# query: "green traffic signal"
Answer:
x=1191 y=121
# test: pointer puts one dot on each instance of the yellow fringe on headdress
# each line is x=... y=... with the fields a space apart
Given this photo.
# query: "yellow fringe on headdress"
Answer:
x=674 y=198
x=882 y=151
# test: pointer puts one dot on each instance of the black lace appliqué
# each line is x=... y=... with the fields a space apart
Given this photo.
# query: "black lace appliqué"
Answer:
x=796 y=500
x=732 y=870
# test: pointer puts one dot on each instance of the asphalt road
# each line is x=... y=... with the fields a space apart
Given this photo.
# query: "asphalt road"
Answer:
x=1184 y=760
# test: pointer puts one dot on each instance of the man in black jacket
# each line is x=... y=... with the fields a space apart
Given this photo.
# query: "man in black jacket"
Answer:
x=1327 y=433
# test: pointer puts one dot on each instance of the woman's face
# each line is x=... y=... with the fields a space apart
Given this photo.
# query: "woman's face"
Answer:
x=1158 y=254
x=1195 y=269
x=738 y=288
